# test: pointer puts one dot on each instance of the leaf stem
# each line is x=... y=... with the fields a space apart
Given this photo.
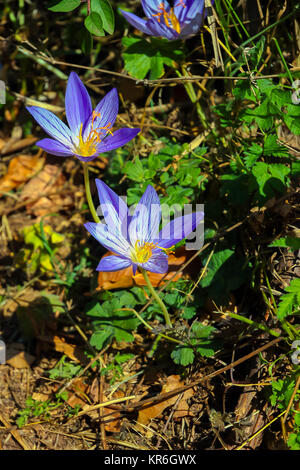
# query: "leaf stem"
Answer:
x=193 y=97
x=88 y=193
x=157 y=298
x=252 y=323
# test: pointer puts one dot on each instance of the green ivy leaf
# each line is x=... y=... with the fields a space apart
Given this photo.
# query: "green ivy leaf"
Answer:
x=104 y=10
x=94 y=25
x=65 y=5
x=225 y=273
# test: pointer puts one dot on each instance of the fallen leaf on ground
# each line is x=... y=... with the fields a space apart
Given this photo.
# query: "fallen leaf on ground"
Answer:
x=17 y=357
x=20 y=170
x=59 y=344
x=49 y=182
x=78 y=390
x=124 y=278
x=173 y=382
x=12 y=145
x=111 y=423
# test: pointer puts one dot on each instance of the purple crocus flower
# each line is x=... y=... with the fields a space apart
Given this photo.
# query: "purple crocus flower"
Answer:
x=136 y=240
x=90 y=132
x=179 y=21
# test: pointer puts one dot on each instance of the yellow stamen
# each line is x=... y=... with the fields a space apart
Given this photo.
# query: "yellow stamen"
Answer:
x=170 y=19
x=88 y=147
x=142 y=253
x=169 y=251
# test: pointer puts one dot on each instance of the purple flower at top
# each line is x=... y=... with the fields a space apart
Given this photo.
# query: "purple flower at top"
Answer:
x=177 y=19
x=90 y=132
x=135 y=239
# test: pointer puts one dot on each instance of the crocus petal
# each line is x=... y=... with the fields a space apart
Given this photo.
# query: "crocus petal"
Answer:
x=193 y=19
x=87 y=159
x=161 y=30
x=181 y=8
x=194 y=8
x=118 y=139
x=109 y=238
x=135 y=21
x=54 y=147
x=151 y=7
x=114 y=209
x=191 y=28
x=113 y=263
x=78 y=103
x=146 y=218
x=178 y=228
x=158 y=263
x=51 y=124
x=104 y=115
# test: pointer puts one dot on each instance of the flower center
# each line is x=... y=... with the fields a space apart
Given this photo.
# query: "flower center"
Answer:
x=169 y=17
x=88 y=146
x=142 y=253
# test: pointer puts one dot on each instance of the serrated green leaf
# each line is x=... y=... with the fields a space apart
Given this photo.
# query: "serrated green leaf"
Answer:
x=101 y=337
x=295 y=169
x=183 y=355
x=136 y=58
x=270 y=178
x=252 y=154
x=292 y=118
x=202 y=331
x=142 y=56
x=93 y=24
x=65 y=5
x=243 y=91
x=280 y=97
x=189 y=312
x=134 y=170
x=287 y=242
x=273 y=148
x=289 y=301
x=263 y=115
x=266 y=86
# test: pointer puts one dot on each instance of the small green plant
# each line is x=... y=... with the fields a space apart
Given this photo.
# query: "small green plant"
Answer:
x=41 y=244
x=64 y=369
x=282 y=392
x=114 y=369
x=36 y=409
x=289 y=303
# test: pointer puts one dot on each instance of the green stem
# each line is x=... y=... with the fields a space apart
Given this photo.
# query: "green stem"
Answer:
x=253 y=323
x=193 y=97
x=157 y=298
x=88 y=193
x=283 y=60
